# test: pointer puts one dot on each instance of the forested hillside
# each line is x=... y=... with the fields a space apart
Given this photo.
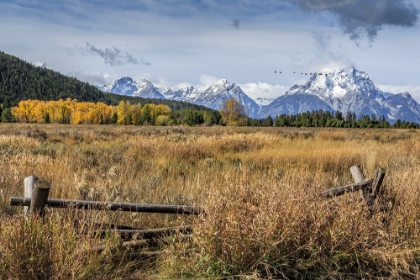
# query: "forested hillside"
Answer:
x=20 y=80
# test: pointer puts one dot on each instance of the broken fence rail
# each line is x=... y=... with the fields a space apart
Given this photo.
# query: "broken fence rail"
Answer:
x=347 y=188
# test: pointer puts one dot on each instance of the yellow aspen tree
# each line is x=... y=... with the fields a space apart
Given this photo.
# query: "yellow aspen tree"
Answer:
x=233 y=113
x=20 y=112
x=94 y=113
x=162 y=110
x=123 y=111
x=52 y=109
x=104 y=112
x=39 y=111
x=136 y=116
x=80 y=113
x=64 y=110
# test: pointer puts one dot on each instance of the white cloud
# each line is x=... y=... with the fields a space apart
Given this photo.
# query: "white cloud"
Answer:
x=328 y=54
x=260 y=89
x=180 y=86
x=94 y=78
x=40 y=64
x=206 y=81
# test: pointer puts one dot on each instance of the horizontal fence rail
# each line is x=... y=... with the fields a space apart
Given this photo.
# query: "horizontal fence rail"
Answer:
x=112 y=206
x=348 y=188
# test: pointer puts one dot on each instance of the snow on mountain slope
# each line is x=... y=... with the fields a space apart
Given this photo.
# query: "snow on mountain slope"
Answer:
x=221 y=91
x=127 y=86
x=188 y=94
x=402 y=106
x=213 y=97
x=334 y=87
x=123 y=86
x=348 y=90
x=342 y=90
x=261 y=101
x=146 y=89
x=292 y=104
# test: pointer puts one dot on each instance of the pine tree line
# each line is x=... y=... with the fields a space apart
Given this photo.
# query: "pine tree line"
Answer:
x=74 y=112
x=320 y=118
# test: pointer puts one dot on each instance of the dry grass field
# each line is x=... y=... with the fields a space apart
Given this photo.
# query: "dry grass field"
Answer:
x=259 y=186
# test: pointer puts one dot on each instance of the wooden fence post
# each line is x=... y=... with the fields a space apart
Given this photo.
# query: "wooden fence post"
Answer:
x=377 y=181
x=358 y=177
x=39 y=198
x=28 y=190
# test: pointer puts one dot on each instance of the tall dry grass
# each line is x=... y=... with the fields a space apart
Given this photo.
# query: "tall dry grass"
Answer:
x=259 y=187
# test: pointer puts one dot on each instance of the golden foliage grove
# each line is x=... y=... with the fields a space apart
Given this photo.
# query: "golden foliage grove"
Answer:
x=73 y=112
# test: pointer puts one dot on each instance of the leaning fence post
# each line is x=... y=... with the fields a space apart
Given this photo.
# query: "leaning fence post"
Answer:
x=377 y=181
x=29 y=183
x=39 y=198
x=365 y=193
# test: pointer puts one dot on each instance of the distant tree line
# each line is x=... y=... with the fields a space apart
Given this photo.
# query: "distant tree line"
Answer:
x=320 y=118
x=232 y=113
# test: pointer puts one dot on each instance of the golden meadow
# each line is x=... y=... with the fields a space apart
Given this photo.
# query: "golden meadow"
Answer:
x=260 y=188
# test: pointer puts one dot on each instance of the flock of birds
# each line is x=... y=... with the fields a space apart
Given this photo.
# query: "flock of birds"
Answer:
x=319 y=74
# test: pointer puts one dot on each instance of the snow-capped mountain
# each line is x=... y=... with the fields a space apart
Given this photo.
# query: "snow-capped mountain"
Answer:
x=213 y=97
x=402 y=106
x=188 y=94
x=146 y=89
x=221 y=91
x=127 y=86
x=292 y=104
x=344 y=90
x=166 y=92
x=123 y=86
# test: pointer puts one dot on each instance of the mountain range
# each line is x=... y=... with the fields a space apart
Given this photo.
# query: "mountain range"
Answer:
x=344 y=90
x=213 y=97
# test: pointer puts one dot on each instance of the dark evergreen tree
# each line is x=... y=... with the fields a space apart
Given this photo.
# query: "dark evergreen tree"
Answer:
x=6 y=115
x=268 y=121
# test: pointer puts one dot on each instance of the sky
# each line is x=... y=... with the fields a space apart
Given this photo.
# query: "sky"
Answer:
x=175 y=44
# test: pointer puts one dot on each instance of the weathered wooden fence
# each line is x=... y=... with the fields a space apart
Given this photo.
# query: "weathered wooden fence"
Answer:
x=36 y=199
